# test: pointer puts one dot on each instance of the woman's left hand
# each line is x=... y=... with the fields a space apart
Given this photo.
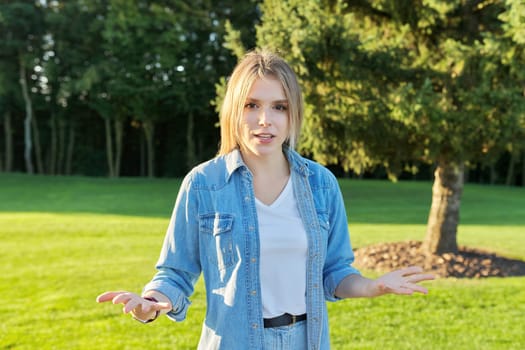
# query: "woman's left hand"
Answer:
x=404 y=281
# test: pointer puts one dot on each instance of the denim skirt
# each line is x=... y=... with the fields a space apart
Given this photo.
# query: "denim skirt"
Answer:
x=291 y=337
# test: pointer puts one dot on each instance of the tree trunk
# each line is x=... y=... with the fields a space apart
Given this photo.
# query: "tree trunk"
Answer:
x=493 y=174
x=119 y=140
x=70 y=148
x=523 y=168
x=510 y=171
x=149 y=132
x=109 y=148
x=142 y=155
x=443 y=219
x=28 y=139
x=114 y=158
x=38 y=148
x=190 y=143
x=8 y=132
x=61 y=150
x=52 y=158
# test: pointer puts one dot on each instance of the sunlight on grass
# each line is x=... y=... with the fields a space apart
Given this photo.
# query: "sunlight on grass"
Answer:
x=58 y=257
x=457 y=314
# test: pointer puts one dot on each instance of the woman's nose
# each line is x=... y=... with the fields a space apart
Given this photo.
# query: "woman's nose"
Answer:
x=264 y=117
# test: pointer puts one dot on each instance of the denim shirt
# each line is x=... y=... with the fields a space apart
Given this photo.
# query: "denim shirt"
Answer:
x=213 y=230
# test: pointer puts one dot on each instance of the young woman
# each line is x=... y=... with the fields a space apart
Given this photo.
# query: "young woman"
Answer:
x=265 y=226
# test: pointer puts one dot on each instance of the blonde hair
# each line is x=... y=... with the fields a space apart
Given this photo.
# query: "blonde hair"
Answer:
x=256 y=65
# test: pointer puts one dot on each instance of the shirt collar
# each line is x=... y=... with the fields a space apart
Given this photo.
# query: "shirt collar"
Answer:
x=233 y=162
x=297 y=163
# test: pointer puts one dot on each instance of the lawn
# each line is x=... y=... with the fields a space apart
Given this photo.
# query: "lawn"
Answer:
x=64 y=240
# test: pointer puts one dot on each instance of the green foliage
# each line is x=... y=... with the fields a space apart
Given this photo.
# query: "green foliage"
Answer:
x=233 y=41
x=397 y=84
x=21 y=26
x=21 y=36
x=132 y=63
x=67 y=239
x=514 y=19
x=388 y=84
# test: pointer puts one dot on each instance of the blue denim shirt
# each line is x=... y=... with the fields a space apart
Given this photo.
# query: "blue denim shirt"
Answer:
x=214 y=231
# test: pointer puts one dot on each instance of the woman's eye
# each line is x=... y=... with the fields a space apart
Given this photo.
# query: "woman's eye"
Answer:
x=281 y=108
x=250 y=105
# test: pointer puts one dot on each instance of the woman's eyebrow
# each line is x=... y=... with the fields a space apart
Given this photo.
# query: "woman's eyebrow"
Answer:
x=256 y=100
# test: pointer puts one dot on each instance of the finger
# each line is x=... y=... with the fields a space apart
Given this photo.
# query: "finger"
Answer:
x=108 y=296
x=157 y=306
x=411 y=270
x=162 y=306
x=421 y=277
x=123 y=298
x=416 y=288
x=148 y=306
x=400 y=290
x=131 y=305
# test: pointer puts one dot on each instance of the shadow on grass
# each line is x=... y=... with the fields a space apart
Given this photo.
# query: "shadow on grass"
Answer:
x=367 y=201
x=72 y=194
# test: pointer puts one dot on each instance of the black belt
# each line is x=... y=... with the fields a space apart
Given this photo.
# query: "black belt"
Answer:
x=283 y=320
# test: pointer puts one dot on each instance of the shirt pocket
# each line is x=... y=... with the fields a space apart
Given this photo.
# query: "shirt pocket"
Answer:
x=217 y=231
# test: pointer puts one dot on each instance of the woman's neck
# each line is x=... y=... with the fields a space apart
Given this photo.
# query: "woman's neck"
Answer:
x=275 y=166
x=270 y=175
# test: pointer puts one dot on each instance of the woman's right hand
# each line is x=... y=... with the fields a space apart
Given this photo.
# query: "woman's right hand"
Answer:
x=141 y=308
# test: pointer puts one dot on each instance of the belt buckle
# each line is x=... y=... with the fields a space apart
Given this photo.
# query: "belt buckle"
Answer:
x=294 y=319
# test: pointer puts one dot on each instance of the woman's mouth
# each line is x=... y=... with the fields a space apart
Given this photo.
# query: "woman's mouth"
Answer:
x=264 y=137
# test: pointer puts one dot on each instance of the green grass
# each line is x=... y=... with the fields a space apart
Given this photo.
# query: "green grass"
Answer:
x=64 y=240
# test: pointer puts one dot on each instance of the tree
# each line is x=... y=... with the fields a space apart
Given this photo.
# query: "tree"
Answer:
x=398 y=84
x=21 y=33
x=8 y=93
x=145 y=69
x=508 y=54
x=72 y=41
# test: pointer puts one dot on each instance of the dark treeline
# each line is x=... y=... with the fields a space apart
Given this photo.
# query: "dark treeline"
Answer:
x=128 y=88
x=116 y=88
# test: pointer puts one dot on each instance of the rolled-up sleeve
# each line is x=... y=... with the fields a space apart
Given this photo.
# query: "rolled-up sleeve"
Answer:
x=178 y=267
x=339 y=254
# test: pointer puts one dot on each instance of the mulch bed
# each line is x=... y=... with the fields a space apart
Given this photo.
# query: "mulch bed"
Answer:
x=466 y=263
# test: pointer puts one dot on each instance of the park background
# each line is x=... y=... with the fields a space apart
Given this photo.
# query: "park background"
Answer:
x=104 y=105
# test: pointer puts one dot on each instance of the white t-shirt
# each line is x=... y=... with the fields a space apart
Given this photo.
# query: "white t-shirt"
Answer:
x=284 y=247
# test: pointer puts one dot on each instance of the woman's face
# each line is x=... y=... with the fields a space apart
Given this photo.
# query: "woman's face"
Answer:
x=265 y=123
